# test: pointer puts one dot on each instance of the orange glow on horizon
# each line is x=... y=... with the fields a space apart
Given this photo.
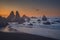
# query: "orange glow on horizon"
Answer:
x=29 y=9
x=5 y=12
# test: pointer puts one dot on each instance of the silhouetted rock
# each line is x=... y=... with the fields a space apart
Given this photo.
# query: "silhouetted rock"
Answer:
x=26 y=18
x=53 y=23
x=34 y=22
x=39 y=20
x=15 y=18
x=44 y=18
x=3 y=22
x=47 y=23
x=30 y=24
x=11 y=17
x=17 y=14
x=19 y=19
x=58 y=21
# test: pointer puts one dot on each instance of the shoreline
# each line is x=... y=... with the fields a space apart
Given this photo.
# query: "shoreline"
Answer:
x=21 y=36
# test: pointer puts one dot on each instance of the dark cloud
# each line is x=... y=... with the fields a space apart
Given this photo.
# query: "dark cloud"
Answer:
x=44 y=3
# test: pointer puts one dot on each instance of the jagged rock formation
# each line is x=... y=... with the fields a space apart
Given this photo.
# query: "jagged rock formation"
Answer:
x=15 y=18
x=17 y=14
x=47 y=23
x=38 y=20
x=18 y=18
x=44 y=18
x=3 y=22
x=11 y=17
x=26 y=18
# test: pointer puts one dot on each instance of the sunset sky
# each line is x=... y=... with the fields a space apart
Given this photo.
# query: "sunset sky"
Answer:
x=30 y=7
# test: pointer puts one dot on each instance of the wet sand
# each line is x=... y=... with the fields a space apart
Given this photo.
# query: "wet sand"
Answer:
x=21 y=36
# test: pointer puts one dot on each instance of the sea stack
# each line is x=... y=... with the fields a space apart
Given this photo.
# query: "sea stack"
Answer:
x=11 y=17
x=44 y=18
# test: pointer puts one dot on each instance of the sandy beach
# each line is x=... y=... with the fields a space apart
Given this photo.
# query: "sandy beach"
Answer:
x=21 y=36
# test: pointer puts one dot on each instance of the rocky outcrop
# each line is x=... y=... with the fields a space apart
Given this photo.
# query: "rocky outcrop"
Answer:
x=18 y=18
x=15 y=18
x=11 y=17
x=26 y=18
x=3 y=22
x=44 y=18
x=47 y=23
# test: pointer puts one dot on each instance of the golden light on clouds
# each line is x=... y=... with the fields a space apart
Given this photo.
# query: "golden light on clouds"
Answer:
x=30 y=8
x=29 y=12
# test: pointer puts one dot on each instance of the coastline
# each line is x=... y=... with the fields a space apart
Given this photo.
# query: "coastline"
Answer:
x=21 y=36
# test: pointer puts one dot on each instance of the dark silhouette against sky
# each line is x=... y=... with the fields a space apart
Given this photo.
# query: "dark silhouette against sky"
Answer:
x=30 y=7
